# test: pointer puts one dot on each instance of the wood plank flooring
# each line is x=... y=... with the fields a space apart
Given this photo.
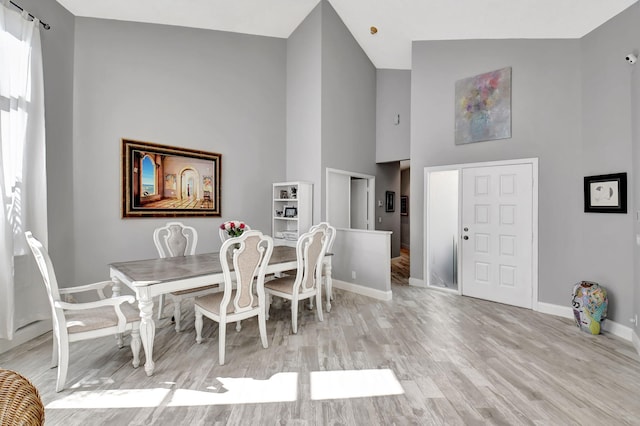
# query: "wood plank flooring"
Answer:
x=456 y=361
x=400 y=268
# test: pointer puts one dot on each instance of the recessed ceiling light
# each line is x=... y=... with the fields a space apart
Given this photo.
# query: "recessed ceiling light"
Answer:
x=373 y=30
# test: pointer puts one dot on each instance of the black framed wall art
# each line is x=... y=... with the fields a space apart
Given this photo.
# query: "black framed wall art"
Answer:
x=605 y=193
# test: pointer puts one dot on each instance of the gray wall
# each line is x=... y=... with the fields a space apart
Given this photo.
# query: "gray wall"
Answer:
x=331 y=95
x=304 y=100
x=571 y=108
x=635 y=185
x=609 y=132
x=206 y=90
x=388 y=179
x=635 y=182
x=393 y=97
x=546 y=123
x=348 y=100
x=57 y=52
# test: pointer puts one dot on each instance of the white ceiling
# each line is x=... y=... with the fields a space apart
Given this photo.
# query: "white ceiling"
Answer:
x=399 y=22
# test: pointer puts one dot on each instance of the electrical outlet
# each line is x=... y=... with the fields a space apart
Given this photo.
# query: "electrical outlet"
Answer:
x=353 y=275
x=634 y=320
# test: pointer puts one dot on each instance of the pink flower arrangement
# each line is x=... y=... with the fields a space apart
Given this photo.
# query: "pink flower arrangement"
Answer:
x=234 y=228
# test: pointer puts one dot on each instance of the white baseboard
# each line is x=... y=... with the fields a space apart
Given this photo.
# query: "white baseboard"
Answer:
x=359 y=289
x=617 y=329
x=609 y=326
x=415 y=282
x=25 y=334
x=557 y=310
x=636 y=341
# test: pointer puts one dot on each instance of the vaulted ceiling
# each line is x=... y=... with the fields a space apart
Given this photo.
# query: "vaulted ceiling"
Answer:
x=399 y=22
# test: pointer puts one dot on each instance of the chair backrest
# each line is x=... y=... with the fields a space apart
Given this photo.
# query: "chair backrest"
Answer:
x=224 y=235
x=249 y=254
x=175 y=239
x=331 y=233
x=310 y=250
x=45 y=266
x=49 y=277
x=20 y=402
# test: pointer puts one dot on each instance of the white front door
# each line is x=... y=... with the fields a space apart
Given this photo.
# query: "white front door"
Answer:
x=497 y=233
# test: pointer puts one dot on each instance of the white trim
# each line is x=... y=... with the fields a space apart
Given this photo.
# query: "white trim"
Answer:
x=534 y=216
x=617 y=329
x=445 y=289
x=636 y=341
x=25 y=334
x=557 y=310
x=364 y=231
x=417 y=282
x=364 y=291
x=609 y=326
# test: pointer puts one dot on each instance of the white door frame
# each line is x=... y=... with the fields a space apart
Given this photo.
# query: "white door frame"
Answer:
x=371 y=188
x=459 y=167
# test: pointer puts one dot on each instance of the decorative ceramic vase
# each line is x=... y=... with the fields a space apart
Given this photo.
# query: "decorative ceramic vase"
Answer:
x=590 y=303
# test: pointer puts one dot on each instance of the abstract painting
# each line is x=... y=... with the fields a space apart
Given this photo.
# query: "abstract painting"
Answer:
x=483 y=107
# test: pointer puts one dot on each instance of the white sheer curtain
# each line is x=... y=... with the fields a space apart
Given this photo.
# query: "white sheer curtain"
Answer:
x=23 y=184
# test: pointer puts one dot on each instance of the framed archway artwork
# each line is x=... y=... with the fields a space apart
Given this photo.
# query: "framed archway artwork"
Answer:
x=165 y=181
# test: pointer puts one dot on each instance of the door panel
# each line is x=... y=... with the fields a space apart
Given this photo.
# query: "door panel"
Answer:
x=497 y=233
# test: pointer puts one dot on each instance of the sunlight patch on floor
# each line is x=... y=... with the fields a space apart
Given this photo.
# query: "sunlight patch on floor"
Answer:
x=354 y=384
x=281 y=387
x=119 y=398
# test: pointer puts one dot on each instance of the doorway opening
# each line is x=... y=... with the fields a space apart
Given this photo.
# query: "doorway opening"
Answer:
x=349 y=199
x=481 y=235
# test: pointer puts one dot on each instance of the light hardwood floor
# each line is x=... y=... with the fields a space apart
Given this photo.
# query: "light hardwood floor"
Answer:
x=457 y=360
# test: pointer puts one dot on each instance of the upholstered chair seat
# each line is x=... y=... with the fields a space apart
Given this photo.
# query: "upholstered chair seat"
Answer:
x=74 y=322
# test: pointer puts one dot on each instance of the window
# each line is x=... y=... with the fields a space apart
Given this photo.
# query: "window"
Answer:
x=148 y=177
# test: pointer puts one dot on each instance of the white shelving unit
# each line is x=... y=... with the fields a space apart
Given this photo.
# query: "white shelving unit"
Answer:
x=292 y=211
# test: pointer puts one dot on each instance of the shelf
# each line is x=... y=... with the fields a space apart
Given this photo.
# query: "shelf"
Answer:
x=283 y=202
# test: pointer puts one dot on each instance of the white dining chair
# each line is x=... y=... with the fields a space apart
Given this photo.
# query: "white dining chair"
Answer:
x=73 y=322
x=243 y=295
x=310 y=251
x=326 y=261
x=177 y=239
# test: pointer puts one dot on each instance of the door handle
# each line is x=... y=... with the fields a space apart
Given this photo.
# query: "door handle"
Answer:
x=465 y=237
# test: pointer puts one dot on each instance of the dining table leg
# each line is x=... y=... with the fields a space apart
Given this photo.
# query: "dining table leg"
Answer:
x=115 y=292
x=147 y=328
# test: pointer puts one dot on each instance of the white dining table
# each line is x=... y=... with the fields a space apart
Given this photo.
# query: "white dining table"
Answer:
x=153 y=277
